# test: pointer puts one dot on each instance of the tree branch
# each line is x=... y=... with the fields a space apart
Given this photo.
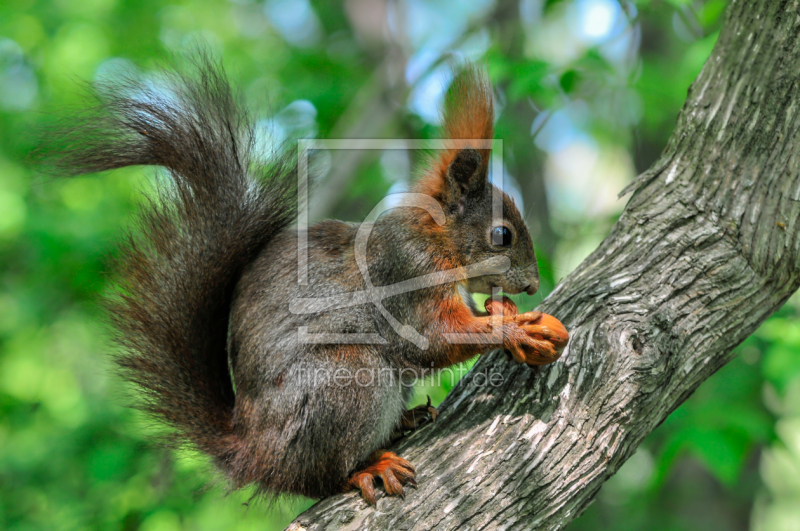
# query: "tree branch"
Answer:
x=706 y=250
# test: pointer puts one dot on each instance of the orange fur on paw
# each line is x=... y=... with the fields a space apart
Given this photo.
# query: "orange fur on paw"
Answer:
x=392 y=470
x=544 y=337
x=504 y=307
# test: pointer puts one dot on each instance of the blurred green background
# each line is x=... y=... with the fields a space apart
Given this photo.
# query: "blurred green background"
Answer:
x=587 y=95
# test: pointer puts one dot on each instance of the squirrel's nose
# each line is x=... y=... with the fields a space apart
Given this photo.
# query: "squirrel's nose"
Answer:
x=532 y=288
x=532 y=274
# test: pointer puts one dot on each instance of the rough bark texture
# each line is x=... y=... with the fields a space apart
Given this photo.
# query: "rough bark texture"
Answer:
x=706 y=250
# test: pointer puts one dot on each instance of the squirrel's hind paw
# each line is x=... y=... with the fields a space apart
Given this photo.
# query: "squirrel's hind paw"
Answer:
x=393 y=471
x=416 y=417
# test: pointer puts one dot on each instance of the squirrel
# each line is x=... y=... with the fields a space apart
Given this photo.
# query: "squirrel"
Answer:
x=205 y=317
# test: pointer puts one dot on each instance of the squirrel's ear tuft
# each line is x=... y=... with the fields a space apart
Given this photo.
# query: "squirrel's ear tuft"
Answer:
x=468 y=111
x=462 y=167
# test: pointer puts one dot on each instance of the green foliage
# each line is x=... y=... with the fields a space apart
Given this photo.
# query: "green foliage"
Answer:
x=72 y=456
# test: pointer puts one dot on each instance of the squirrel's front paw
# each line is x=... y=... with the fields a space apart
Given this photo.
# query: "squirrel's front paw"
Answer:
x=536 y=339
x=544 y=340
x=392 y=469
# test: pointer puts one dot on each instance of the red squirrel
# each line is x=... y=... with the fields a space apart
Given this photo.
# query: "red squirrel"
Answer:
x=204 y=316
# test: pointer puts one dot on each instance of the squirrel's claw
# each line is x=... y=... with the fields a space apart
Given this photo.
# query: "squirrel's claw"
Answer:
x=393 y=471
x=366 y=484
x=391 y=483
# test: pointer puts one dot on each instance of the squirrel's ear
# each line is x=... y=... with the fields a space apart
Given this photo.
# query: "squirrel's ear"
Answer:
x=467 y=174
x=462 y=167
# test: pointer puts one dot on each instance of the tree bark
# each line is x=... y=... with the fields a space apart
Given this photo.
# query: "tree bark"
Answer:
x=705 y=251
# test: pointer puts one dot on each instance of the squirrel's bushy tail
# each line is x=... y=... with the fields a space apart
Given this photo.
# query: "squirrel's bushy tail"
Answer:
x=197 y=234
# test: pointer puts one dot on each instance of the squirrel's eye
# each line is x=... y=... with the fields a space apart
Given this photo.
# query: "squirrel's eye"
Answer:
x=501 y=236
